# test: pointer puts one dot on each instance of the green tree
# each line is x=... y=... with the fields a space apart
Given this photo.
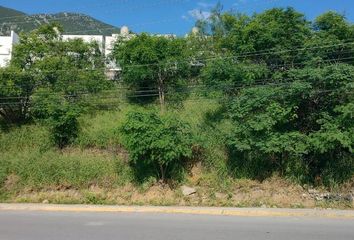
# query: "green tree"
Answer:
x=162 y=143
x=71 y=66
x=59 y=113
x=302 y=128
x=229 y=76
x=16 y=87
x=43 y=60
x=155 y=63
x=331 y=41
x=269 y=33
x=335 y=24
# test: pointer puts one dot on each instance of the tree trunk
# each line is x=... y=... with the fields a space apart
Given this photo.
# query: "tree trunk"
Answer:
x=163 y=173
x=161 y=88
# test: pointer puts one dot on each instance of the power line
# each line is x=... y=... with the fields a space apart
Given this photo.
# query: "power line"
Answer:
x=40 y=71
x=224 y=98
x=223 y=58
x=147 y=89
x=154 y=92
x=217 y=58
x=252 y=53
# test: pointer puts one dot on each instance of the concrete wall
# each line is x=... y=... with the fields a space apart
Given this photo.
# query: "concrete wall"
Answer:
x=6 y=47
x=109 y=44
x=87 y=39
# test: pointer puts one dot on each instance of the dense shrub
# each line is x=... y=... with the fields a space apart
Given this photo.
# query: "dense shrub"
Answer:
x=158 y=144
x=59 y=114
x=43 y=59
x=305 y=125
x=64 y=127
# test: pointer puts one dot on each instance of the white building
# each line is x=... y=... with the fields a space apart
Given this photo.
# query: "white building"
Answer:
x=87 y=39
x=6 y=46
x=106 y=44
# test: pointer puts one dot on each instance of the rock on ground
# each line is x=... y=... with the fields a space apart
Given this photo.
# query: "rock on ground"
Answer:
x=187 y=191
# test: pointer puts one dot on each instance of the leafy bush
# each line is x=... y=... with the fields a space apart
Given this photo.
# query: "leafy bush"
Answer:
x=43 y=59
x=64 y=126
x=296 y=127
x=158 y=144
x=161 y=66
x=60 y=114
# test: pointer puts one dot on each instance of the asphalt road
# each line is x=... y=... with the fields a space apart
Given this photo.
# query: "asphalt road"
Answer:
x=29 y=225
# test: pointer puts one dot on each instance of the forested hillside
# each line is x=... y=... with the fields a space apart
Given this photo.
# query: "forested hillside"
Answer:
x=250 y=111
x=73 y=23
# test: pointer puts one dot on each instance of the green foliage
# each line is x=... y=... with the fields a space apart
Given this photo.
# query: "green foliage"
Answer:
x=4 y=172
x=59 y=114
x=307 y=123
x=227 y=75
x=43 y=60
x=294 y=124
x=27 y=154
x=286 y=107
x=13 y=84
x=271 y=31
x=25 y=138
x=159 y=143
x=100 y=130
x=64 y=126
x=40 y=170
x=68 y=66
x=152 y=63
x=333 y=23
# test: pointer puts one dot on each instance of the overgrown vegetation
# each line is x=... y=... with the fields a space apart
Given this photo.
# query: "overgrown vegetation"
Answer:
x=246 y=99
x=158 y=145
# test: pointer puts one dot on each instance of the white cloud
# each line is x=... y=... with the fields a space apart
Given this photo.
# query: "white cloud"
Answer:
x=184 y=17
x=199 y=14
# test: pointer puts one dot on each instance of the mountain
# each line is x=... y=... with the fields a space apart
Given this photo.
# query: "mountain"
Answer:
x=8 y=12
x=73 y=23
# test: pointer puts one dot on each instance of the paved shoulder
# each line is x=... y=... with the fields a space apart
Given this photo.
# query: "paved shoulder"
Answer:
x=34 y=225
x=251 y=212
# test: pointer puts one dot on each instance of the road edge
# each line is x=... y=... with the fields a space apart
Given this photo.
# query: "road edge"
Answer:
x=241 y=212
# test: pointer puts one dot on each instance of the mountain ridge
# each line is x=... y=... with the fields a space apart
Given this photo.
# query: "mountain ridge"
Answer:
x=73 y=23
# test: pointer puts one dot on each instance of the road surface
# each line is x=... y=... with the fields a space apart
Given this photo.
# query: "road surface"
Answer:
x=37 y=225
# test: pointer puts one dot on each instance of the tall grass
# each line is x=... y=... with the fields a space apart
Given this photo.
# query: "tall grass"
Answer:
x=27 y=153
x=210 y=129
x=28 y=137
x=53 y=169
x=100 y=130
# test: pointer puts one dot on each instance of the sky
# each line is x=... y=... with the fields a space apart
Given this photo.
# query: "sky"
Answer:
x=171 y=16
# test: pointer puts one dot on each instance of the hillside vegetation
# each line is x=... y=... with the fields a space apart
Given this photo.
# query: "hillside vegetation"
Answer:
x=250 y=111
x=8 y=12
x=73 y=23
